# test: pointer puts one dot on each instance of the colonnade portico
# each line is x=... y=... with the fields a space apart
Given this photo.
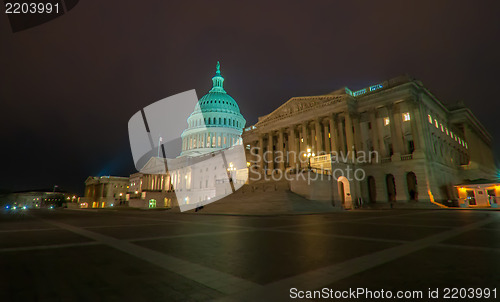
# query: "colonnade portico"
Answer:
x=320 y=135
x=400 y=127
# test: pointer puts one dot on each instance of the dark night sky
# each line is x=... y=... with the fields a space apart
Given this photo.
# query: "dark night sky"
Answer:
x=70 y=86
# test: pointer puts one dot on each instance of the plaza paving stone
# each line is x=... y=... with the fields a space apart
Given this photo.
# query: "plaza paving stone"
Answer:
x=93 y=273
x=434 y=267
x=263 y=257
x=166 y=229
x=488 y=238
x=132 y=255
x=370 y=230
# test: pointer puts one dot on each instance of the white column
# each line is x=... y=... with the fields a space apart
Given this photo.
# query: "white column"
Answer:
x=270 y=153
x=341 y=141
x=292 y=146
x=319 y=137
x=304 y=137
x=326 y=139
x=280 y=149
x=333 y=133
x=349 y=135
x=261 y=153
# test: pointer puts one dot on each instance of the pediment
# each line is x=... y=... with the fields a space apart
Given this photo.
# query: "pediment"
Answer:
x=155 y=165
x=298 y=105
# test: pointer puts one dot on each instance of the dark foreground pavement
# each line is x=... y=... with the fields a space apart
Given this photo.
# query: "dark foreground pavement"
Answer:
x=65 y=255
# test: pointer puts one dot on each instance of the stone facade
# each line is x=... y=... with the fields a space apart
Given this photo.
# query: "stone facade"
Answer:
x=410 y=146
x=104 y=191
x=480 y=193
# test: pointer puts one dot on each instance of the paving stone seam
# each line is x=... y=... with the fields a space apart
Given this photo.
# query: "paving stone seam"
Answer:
x=189 y=270
x=319 y=278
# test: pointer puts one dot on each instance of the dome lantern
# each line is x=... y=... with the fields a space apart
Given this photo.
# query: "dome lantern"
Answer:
x=217 y=80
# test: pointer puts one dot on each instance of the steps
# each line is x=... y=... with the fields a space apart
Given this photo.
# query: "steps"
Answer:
x=266 y=198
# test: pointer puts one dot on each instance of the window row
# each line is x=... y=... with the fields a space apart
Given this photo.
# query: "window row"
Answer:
x=449 y=133
x=218 y=102
x=215 y=121
x=404 y=116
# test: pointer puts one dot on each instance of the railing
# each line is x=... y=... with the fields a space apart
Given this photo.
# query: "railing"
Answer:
x=407 y=157
x=226 y=180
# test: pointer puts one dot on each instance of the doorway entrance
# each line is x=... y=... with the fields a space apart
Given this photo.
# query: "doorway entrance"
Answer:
x=391 y=187
x=345 y=192
x=411 y=182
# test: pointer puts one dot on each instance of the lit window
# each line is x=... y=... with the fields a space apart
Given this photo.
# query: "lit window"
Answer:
x=455 y=138
x=442 y=128
x=451 y=134
x=447 y=133
x=436 y=122
x=406 y=116
x=386 y=121
x=329 y=135
x=466 y=147
x=430 y=118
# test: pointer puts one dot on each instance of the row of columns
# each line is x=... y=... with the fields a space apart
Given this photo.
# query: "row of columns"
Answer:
x=209 y=140
x=339 y=132
x=155 y=182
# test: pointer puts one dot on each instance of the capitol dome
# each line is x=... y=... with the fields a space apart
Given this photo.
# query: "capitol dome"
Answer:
x=216 y=122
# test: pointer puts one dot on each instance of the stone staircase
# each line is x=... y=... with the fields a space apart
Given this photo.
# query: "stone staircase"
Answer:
x=266 y=198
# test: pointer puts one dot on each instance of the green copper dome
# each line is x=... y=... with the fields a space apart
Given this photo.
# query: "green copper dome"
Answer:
x=216 y=122
x=217 y=99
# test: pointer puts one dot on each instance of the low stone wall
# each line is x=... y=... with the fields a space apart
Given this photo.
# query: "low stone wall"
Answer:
x=313 y=186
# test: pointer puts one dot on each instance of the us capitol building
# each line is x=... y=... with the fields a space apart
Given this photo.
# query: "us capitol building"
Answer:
x=211 y=165
x=418 y=148
x=412 y=149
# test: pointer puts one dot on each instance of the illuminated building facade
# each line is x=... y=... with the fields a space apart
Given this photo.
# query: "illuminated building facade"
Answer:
x=104 y=191
x=415 y=147
x=479 y=193
x=201 y=173
x=39 y=198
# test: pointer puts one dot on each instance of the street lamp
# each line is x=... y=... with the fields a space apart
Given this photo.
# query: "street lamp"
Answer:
x=308 y=154
x=230 y=171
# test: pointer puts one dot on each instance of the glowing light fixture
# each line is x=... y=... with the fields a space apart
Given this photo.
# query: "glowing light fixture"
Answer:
x=406 y=116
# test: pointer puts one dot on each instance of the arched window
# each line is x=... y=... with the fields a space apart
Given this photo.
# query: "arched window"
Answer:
x=220 y=121
x=225 y=122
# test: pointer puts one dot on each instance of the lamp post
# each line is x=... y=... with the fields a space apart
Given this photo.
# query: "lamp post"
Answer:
x=230 y=171
x=308 y=155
